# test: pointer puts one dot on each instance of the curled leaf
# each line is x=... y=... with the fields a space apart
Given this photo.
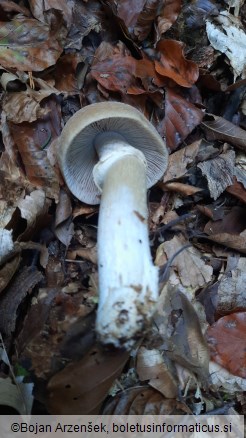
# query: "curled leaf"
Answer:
x=218 y=128
x=174 y=65
x=181 y=117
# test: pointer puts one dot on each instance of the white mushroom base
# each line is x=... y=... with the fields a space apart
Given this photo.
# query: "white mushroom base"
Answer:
x=128 y=280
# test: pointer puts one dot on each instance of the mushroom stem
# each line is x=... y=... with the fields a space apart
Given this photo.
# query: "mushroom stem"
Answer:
x=128 y=280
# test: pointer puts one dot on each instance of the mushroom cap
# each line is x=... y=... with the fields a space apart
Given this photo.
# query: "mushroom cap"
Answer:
x=77 y=154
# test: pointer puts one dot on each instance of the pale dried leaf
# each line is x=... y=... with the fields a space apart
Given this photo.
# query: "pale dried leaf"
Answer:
x=6 y=244
x=192 y=270
x=223 y=379
x=227 y=35
x=32 y=206
x=153 y=366
x=235 y=5
x=14 y=396
x=24 y=106
x=8 y=80
x=178 y=161
x=64 y=227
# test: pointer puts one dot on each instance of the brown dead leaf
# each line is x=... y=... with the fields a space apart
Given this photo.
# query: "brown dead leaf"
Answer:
x=137 y=18
x=10 y=154
x=84 y=210
x=180 y=328
x=152 y=365
x=212 y=211
x=65 y=73
x=29 y=45
x=10 y=6
x=142 y=400
x=183 y=189
x=8 y=270
x=178 y=161
x=167 y=16
x=54 y=330
x=237 y=242
x=39 y=9
x=217 y=128
x=54 y=272
x=173 y=64
x=219 y=172
x=35 y=319
x=24 y=106
x=32 y=140
x=227 y=340
x=12 y=188
x=116 y=70
x=181 y=117
x=232 y=221
x=192 y=270
x=238 y=190
x=208 y=298
x=85 y=18
x=82 y=386
x=229 y=231
x=64 y=227
x=89 y=254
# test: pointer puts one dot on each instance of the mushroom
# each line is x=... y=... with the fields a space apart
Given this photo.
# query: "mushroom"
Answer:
x=110 y=154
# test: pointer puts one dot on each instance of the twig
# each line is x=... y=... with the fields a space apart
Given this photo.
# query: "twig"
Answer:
x=165 y=270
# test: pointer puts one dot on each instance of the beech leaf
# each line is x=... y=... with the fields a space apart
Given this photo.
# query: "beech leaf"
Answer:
x=181 y=117
x=29 y=45
x=115 y=70
x=192 y=270
x=218 y=128
x=227 y=341
x=138 y=16
x=179 y=161
x=152 y=365
x=174 y=65
x=83 y=385
x=167 y=15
